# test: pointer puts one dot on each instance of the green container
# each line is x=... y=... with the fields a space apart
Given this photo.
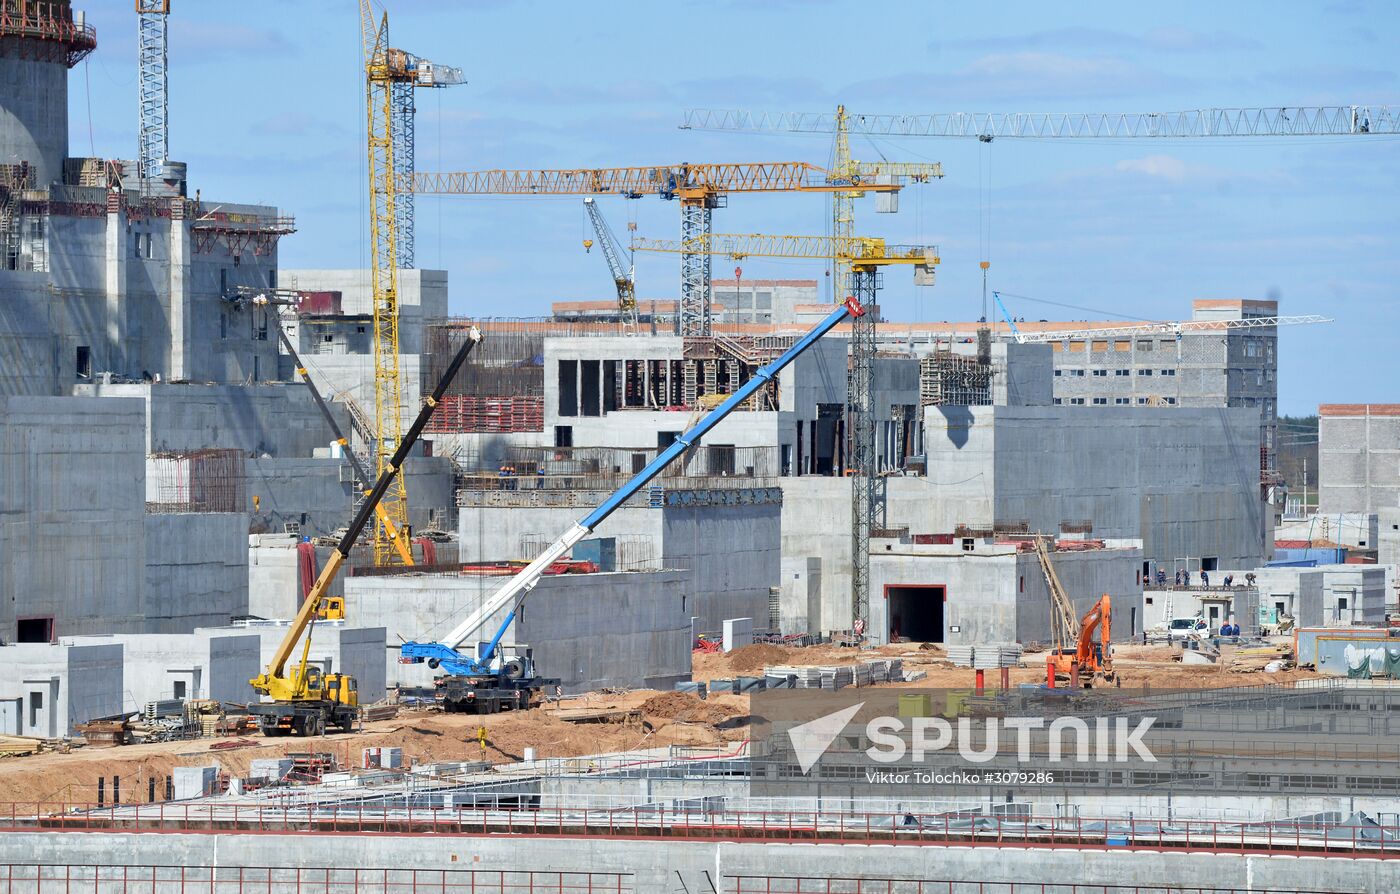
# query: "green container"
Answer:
x=919 y=704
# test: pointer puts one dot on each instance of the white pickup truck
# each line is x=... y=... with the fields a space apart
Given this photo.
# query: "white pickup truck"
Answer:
x=1187 y=628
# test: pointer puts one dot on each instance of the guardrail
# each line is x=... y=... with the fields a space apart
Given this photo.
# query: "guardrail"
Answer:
x=56 y=878
x=1342 y=839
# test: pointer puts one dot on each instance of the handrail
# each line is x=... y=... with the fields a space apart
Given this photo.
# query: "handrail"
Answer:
x=1339 y=839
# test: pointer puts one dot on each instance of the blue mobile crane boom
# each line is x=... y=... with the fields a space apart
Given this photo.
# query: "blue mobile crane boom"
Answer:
x=483 y=681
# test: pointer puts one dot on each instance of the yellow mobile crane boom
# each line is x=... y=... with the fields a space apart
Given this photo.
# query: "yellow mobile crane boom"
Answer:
x=307 y=701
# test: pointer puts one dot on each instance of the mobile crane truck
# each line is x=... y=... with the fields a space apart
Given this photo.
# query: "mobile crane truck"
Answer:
x=486 y=680
x=307 y=701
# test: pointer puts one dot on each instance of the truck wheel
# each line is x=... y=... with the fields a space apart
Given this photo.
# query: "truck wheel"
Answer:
x=313 y=726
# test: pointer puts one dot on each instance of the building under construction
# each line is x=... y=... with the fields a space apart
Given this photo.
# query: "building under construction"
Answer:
x=182 y=424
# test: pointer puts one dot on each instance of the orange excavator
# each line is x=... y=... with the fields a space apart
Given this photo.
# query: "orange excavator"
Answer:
x=1087 y=660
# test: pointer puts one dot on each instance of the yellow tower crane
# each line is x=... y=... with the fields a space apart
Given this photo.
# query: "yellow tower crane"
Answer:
x=699 y=187
x=390 y=78
x=855 y=176
x=865 y=257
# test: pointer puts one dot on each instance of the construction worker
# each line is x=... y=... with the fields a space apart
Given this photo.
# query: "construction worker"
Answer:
x=1205 y=578
x=481 y=739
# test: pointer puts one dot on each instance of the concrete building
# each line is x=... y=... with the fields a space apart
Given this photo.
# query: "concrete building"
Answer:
x=631 y=629
x=1358 y=457
x=1323 y=595
x=104 y=273
x=47 y=688
x=979 y=590
x=725 y=536
x=1312 y=595
x=1201 y=368
x=752 y=302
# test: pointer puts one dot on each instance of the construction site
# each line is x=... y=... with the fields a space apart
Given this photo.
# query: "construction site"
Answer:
x=331 y=580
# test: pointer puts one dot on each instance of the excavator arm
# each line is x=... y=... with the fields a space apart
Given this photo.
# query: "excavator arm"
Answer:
x=1100 y=618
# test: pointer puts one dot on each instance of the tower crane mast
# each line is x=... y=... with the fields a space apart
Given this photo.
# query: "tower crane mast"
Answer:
x=390 y=76
x=154 y=90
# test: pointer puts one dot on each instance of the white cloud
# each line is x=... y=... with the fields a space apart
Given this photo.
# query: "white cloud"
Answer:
x=1168 y=167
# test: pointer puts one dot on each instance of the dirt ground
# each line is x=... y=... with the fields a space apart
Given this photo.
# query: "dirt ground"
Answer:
x=424 y=736
x=668 y=718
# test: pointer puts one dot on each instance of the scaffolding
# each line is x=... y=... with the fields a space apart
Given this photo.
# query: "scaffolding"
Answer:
x=948 y=379
x=240 y=232
x=46 y=31
x=197 y=481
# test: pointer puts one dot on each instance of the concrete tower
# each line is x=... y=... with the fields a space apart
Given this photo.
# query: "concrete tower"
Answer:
x=39 y=41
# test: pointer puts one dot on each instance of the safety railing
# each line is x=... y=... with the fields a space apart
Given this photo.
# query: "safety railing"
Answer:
x=1350 y=837
x=112 y=879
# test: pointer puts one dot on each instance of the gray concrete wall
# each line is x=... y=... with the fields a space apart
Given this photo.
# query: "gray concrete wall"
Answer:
x=72 y=513
x=733 y=554
x=74 y=684
x=816 y=542
x=422 y=297
x=95 y=681
x=107 y=287
x=1388 y=537
x=1358 y=529
x=696 y=865
x=31 y=355
x=317 y=494
x=1312 y=594
x=732 y=548
x=590 y=630
x=273 y=575
x=196 y=571
x=34 y=114
x=1184 y=481
x=496 y=533
x=215 y=663
x=276 y=420
x=996 y=594
x=1359 y=459
x=233 y=661
x=362 y=652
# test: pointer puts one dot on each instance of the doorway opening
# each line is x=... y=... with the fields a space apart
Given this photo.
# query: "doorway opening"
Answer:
x=915 y=612
x=34 y=630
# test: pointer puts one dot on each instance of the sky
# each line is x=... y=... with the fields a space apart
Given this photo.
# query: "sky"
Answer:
x=267 y=105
